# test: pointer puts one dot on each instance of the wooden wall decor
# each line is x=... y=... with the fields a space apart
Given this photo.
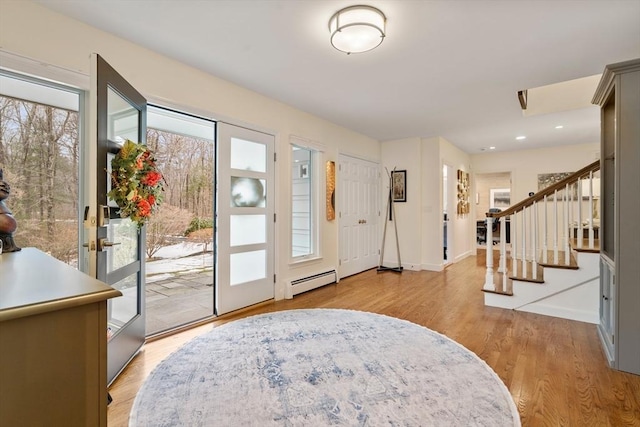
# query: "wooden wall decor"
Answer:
x=463 y=193
x=331 y=190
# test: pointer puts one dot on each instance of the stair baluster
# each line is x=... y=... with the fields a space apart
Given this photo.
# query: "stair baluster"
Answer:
x=534 y=240
x=579 y=220
x=555 y=227
x=567 y=250
x=530 y=243
x=514 y=245
x=524 y=242
x=545 y=232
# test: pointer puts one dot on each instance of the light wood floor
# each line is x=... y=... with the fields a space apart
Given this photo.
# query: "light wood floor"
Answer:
x=554 y=368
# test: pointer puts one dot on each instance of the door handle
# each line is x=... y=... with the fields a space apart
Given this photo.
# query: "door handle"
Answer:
x=104 y=243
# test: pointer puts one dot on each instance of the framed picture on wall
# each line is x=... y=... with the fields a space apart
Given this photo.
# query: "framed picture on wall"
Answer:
x=399 y=186
x=500 y=198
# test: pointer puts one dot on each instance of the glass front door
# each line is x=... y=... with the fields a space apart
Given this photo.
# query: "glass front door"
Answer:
x=115 y=244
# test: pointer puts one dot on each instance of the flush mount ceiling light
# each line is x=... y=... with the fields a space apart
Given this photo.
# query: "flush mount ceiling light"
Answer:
x=357 y=29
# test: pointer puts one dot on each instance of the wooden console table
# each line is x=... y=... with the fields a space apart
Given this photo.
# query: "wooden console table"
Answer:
x=53 y=343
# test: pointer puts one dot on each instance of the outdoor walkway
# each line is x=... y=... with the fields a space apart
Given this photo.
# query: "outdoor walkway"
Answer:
x=176 y=299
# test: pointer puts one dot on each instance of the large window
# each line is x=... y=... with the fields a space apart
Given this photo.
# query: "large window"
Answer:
x=304 y=200
x=40 y=159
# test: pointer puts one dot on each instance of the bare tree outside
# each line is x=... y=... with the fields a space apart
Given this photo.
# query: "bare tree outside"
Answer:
x=163 y=228
x=40 y=157
x=39 y=148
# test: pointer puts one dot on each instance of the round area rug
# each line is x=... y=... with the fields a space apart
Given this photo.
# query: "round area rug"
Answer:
x=323 y=367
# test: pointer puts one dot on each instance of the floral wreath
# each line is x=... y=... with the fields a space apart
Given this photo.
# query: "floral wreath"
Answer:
x=136 y=184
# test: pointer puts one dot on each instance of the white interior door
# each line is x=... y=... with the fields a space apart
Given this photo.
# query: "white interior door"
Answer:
x=245 y=218
x=358 y=214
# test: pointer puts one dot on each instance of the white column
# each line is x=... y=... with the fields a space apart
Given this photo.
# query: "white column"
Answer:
x=488 y=279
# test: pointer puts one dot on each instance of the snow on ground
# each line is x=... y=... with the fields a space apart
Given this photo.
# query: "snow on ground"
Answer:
x=180 y=258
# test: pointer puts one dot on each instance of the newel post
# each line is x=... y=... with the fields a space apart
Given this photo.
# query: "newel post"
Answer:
x=488 y=281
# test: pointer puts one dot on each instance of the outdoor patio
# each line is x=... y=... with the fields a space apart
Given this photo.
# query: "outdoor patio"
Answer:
x=179 y=287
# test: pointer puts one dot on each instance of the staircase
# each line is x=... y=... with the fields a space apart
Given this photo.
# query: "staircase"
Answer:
x=551 y=265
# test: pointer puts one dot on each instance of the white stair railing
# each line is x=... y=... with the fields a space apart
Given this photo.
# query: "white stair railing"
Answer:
x=529 y=239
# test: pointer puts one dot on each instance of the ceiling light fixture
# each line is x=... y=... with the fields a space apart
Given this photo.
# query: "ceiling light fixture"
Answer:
x=357 y=29
x=520 y=138
x=559 y=127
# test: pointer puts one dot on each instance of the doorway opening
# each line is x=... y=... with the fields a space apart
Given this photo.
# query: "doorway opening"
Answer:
x=493 y=194
x=179 y=239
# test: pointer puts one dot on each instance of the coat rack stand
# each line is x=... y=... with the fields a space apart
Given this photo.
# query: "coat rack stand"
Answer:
x=390 y=215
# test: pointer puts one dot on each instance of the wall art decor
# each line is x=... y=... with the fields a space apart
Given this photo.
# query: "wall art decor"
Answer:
x=399 y=182
x=548 y=179
x=463 y=193
x=500 y=198
x=331 y=190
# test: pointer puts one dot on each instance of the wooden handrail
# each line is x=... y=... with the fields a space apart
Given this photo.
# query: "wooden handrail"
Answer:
x=574 y=177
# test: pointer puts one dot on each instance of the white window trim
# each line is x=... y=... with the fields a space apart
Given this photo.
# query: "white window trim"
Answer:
x=317 y=181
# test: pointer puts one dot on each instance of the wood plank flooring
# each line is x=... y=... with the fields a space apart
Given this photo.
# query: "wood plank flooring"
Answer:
x=555 y=368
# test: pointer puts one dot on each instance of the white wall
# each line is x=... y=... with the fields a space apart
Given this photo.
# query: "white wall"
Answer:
x=431 y=207
x=420 y=226
x=34 y=32
x=403 y=155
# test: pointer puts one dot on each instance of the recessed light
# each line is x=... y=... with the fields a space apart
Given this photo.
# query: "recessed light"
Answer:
x=559 y=127
x=492 y=148
x=521 y=137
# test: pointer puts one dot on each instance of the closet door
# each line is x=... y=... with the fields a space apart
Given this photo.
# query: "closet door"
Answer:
x=358 y=214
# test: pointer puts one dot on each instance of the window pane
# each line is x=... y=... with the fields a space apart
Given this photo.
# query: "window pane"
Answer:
x=122 y=309
x=247 y=155
x=248 y=229
x=123 y=118
x=301 y=202
x=248 y=266
x=41 y=164
x=248 y=192
x=125 y=233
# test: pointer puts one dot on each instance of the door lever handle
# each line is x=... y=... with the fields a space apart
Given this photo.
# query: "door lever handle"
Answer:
x=104 y=243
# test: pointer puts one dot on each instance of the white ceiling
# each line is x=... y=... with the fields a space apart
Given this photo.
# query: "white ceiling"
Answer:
x=446 y=68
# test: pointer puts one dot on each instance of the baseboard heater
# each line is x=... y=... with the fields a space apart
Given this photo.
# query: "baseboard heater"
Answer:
x=313 y=281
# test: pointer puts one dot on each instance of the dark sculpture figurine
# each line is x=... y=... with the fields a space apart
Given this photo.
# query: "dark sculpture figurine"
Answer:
x=8 y=223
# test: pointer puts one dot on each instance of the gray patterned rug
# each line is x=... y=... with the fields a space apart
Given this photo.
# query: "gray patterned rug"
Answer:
x=323 y=367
